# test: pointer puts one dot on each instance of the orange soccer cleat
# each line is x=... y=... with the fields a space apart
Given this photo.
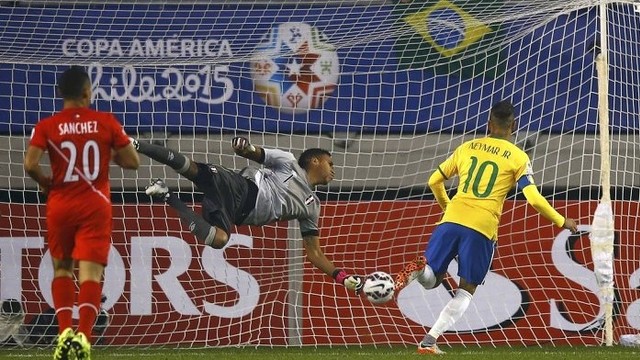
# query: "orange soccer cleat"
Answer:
x=409 y=273
x=429 y=350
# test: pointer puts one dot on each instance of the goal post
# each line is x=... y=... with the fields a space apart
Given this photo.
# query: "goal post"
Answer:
x=602 y=230
x=390 y=88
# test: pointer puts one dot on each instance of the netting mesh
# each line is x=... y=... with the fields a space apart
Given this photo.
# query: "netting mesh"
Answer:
x=390 y=88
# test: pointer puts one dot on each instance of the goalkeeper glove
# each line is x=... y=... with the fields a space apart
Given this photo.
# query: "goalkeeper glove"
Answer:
x=351 y=282
x=241 y=144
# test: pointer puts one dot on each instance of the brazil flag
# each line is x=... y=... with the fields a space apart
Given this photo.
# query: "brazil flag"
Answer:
x=444 y=35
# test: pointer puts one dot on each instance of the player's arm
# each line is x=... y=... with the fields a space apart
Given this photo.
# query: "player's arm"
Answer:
x=541 y=204
x=436 y=184
x=32 y=167
x=127 y=157
x=317 y=257
x=242 y=147
x=444 y=171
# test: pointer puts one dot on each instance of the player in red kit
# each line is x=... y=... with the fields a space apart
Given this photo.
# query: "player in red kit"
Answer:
x=81 y=142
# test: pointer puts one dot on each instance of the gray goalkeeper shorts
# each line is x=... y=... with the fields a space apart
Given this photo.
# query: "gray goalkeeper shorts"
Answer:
x=228 y=197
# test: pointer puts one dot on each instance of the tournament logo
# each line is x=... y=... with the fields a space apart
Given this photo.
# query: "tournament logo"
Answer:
x=294 y=68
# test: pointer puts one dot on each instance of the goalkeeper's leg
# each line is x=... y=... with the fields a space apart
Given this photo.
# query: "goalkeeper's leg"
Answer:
x=175 y=160
x=198 y=226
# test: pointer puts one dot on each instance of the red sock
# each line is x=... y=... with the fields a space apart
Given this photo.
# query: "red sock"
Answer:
x=63 y=290
x=89 y=305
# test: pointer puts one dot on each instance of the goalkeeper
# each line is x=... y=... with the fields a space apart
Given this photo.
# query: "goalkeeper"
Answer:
x=488 y=168
x=282 y=189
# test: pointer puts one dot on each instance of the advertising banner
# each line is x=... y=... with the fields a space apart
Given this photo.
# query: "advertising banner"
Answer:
x=307 y=69
x=162 y=288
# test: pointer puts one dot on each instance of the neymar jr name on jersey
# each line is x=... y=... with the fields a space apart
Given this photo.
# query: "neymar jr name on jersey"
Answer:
x=491 y=149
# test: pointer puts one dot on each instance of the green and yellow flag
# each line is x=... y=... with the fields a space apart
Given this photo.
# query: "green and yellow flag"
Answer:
x=445 y=36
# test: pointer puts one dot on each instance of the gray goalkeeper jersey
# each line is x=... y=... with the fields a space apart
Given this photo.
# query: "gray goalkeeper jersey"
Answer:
x=283 y=193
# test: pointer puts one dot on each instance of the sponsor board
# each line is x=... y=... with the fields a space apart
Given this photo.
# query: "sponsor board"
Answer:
x=161 y=288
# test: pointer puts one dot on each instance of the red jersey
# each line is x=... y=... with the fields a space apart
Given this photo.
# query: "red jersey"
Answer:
x=79 y=142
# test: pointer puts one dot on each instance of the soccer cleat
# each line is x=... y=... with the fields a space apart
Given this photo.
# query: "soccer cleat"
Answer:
x=428 y=350
x=158 y=190
x=63 y=345
x=135 y=143
x=81 y=346
x=409 y=273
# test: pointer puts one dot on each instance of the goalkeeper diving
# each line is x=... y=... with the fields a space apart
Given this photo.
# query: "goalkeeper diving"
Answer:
x=282 y=189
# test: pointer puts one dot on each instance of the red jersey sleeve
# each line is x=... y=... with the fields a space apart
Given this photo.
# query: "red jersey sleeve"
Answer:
x=39 y=136
x=120 y=137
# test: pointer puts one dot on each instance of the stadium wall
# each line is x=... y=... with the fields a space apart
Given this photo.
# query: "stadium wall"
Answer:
x=367 y=161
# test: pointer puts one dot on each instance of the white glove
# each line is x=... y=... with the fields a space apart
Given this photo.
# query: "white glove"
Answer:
x=351 y=282
x=240 y=143
x=135 y=143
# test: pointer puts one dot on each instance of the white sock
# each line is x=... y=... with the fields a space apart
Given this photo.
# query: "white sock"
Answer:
x=427 y=278
x=451 y=313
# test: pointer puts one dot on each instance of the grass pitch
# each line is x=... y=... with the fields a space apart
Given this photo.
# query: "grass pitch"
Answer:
x=327 y=353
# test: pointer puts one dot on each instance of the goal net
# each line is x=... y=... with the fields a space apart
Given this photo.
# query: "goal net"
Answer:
x=390 y=88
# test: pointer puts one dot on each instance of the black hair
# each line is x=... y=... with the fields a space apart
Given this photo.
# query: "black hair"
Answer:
x=307 y=155
x=503 y=114
x=72 y=82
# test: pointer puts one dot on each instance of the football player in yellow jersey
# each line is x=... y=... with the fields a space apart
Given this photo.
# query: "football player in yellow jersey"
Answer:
x=488 y=168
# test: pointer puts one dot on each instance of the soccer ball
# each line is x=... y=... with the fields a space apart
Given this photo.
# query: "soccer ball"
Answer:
x=378 y=287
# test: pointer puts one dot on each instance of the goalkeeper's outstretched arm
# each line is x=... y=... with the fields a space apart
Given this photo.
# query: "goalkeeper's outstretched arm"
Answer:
x=317 y=257
x=541 y=204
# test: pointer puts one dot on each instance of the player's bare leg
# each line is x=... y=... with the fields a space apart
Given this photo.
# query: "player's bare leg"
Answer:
x=467 y=286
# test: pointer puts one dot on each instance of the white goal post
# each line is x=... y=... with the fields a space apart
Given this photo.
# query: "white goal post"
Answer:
x=390 y=88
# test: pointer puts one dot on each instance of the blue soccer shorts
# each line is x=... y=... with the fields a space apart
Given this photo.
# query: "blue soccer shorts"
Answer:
x=474 y=251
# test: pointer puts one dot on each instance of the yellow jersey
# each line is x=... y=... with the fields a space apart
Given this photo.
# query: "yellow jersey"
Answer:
x=488 y=169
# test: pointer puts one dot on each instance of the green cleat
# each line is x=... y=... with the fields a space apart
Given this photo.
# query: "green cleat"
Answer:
x=81 y=346
x=63 y=345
